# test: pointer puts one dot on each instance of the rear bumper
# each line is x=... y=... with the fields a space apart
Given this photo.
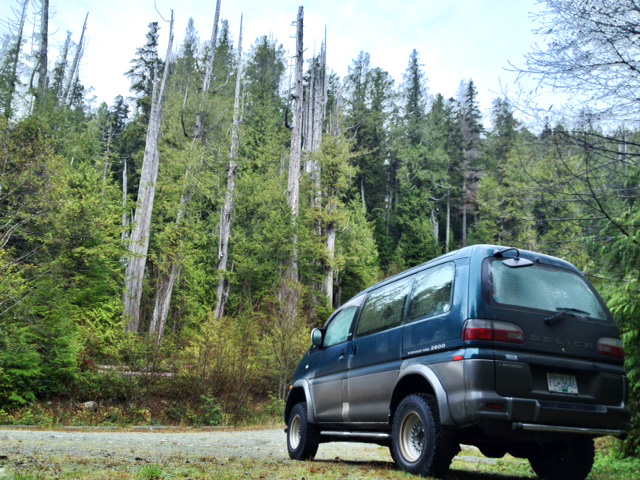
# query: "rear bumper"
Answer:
x=598 y=432
x=484 y=407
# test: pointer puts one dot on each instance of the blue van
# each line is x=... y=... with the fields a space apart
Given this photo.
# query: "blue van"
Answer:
x=509 y=350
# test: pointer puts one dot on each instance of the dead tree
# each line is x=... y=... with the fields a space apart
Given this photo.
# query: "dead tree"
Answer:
x=227 y=211
x=139 y=240
x=293 y=189
x=206 y=82
x=125 y=215
x=75 y=66
x=289 y=292
x=63 y=67
x=42 y=62
x=318 y=118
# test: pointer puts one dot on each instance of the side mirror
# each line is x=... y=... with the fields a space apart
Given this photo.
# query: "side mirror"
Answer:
x=317 y=336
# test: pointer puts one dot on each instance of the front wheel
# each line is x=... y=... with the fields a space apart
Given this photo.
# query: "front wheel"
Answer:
x=302 y=437
x=421 y=445
x=571 y=460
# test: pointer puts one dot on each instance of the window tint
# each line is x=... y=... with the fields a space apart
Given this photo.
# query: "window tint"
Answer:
x=383 y=309
x=338 y=329
x=432 y=292
x=544 y=287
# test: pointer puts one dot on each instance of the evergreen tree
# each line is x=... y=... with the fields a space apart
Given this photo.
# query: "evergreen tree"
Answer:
x=145 y=70
x=417 y=176
x=472 y=130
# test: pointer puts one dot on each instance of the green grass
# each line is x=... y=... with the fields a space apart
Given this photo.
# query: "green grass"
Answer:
x=468 y=466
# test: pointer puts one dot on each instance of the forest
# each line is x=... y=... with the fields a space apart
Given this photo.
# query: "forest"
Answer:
x=165 y=256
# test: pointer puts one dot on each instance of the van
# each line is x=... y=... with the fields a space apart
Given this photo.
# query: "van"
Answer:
x=509 y=350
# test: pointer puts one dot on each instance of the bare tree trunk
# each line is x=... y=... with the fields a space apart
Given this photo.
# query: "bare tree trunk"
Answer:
x=464 y=212
x=44 y=47
x=163 y=302
x=206 y=82
x=307 y=123
x=331 y=253
x=63 y=67
x=293 y=189
x=13 y=79
x=139 y=242
x=289 y=292
x=447 y=235
x=107 y=159
x=227 y=212
x=125 y=216
x=75 y=67
x=319 y=109
x=436 y=225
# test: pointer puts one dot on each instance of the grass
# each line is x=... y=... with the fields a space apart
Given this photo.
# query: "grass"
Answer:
x=468 y=466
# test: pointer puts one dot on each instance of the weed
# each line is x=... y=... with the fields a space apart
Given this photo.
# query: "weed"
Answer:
x=151 y=472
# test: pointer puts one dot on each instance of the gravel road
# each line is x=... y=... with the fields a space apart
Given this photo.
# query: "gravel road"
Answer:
x=157 y=446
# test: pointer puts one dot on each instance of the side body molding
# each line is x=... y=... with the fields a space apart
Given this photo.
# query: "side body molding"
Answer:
x=441 y=395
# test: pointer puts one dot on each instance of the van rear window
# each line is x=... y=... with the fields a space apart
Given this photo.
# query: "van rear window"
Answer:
x=543 y=287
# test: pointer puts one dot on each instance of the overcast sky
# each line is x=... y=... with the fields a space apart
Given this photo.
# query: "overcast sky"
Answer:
x=456 y=39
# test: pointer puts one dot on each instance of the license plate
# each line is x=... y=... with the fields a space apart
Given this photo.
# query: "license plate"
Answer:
x=559 y=383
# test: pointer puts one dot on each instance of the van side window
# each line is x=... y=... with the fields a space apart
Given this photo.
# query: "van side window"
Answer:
x=432 y=292
x=383 y=309
x=338 y=329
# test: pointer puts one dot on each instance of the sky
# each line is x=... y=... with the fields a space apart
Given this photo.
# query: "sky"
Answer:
x=456 y=39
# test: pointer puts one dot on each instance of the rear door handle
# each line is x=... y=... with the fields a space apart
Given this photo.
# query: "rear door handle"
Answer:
x=354 y=350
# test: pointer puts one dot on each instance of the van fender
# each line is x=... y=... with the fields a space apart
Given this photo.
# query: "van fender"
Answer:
x=440 y=393
x=311 y=411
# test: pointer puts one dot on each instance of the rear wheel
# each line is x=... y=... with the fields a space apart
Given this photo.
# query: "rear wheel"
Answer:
x=302 y=437
x=570 y=460
x=420 y=444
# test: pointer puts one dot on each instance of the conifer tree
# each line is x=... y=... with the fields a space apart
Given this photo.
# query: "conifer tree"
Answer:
x=143 y=72
x=417 y=175
x=471 y=127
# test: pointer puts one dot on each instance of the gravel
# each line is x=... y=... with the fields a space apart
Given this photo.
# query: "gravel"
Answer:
x=158 y=446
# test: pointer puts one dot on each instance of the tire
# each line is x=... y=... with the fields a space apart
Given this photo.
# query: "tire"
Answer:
x=421 y=445
x=302 y=437
x=570 y=460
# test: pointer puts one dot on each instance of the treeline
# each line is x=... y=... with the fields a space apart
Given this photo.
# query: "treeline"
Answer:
x=390 y=175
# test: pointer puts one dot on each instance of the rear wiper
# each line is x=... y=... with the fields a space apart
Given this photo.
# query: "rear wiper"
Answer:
x=561 y=312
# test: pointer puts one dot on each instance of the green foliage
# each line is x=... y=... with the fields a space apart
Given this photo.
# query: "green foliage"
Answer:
x=359 y=267
x=151 y=472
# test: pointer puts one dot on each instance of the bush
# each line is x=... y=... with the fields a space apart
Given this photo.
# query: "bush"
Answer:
x=211 y=412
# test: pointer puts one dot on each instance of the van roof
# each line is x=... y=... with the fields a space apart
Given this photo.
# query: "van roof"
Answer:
x=482 y=251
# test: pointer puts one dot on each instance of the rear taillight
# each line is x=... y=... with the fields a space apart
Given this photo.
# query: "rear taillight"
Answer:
x=492 y=330
x=611 y=347
x=477 y=330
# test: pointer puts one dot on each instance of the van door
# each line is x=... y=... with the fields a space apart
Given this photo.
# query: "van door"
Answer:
x=562 y=320
x=429 y=327
x=331 y=363
x=376 y=353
